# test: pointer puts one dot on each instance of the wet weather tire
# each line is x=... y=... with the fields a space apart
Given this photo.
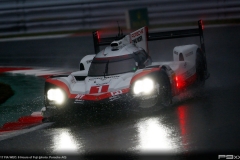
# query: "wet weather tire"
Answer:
x=48 y=115
x=165 y=93
x=53 y=115
x=200 y=68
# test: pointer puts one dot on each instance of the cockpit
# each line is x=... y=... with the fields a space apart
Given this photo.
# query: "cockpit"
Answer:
x=118 y=64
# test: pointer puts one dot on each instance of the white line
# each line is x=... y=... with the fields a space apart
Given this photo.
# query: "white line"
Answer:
x=10 y=134
x=50 y=73
x=27 y=71
x=17 y=71
x=38 y=72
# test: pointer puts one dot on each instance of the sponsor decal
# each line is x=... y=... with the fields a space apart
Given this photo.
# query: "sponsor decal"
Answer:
x=116 y=93
x=78 y=98
x=137 y=33
x=99 y=84
x=89 y=61
x=73 y=80
x=102 y=78
x=79 y=102
x=99 y=89
x=113 y=98
x=139 y=39
x=189 y=54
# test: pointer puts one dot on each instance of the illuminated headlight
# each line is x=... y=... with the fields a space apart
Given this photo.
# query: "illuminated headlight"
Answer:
x=146 y=86
x=56 y=95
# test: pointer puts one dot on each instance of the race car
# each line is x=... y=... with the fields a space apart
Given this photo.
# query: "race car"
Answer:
x=123 y=74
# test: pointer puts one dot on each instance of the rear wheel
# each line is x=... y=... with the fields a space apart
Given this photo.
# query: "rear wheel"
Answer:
x=200 y=68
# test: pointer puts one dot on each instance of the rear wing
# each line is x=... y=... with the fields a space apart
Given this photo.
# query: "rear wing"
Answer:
x=97 y=41
x=155 y=36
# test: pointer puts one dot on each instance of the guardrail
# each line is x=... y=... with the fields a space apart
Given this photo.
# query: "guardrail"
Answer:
x=22 y=17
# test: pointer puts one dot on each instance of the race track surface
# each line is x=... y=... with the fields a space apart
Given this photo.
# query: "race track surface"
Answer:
x=205 y=122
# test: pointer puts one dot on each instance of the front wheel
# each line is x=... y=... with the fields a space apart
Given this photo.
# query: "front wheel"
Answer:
x=53 y=114
x=165 y=92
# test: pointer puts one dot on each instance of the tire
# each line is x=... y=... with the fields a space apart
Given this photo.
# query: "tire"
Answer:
x=200 y=68
x=53 y=115
x=48 y=115
x=165 y=91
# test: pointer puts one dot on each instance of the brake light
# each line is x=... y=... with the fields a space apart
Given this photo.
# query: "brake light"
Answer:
x=179 y=82
x=98 y=36
x=201 y=24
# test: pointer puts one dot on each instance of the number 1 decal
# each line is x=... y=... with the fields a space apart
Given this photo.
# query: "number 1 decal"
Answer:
x=99 y=89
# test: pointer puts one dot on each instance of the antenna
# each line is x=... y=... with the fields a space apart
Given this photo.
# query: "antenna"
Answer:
x=118 y=29
x=120 y=33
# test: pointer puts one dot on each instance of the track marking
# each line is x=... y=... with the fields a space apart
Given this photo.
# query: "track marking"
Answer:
x=10 y=134
x=41 y=72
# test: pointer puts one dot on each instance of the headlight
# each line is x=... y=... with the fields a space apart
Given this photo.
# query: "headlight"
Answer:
x=56 y=95
x=146 y=85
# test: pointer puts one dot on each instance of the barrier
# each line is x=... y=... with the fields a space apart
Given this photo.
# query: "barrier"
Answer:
x=22 y=17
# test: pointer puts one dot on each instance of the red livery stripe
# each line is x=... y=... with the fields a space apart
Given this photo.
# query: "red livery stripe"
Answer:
x=7 y=69
x=99 y=89
x=90 y=97
x=23 y=122
x=59 y=84
x=184 y=83
x=143 y=73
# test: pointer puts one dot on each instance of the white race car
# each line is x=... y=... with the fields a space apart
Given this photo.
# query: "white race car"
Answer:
x=123 y=74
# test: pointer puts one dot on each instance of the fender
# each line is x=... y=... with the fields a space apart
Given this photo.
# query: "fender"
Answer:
x=171 y=75
x=185 y=53
x=86 y=62
x=143 y=73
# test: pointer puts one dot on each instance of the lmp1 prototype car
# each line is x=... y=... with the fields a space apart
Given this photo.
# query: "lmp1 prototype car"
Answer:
x=123 y=73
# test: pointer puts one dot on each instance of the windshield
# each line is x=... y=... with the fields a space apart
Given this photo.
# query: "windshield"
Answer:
x=111 y=66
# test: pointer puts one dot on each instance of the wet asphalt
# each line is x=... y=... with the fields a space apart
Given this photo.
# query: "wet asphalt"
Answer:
x=201 y=123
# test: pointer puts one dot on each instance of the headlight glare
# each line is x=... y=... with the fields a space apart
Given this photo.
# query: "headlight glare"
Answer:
x=146 y=86
x=138 y=87
x=56 y=95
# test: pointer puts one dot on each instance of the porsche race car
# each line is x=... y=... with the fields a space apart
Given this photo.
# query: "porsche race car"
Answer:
x=123 y=73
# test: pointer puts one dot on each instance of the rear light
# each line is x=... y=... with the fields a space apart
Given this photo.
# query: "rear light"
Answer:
x=98 y=36
x=201 y=24
x=179 y=82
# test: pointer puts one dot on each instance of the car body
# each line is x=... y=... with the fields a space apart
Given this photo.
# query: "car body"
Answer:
x=123 y=74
